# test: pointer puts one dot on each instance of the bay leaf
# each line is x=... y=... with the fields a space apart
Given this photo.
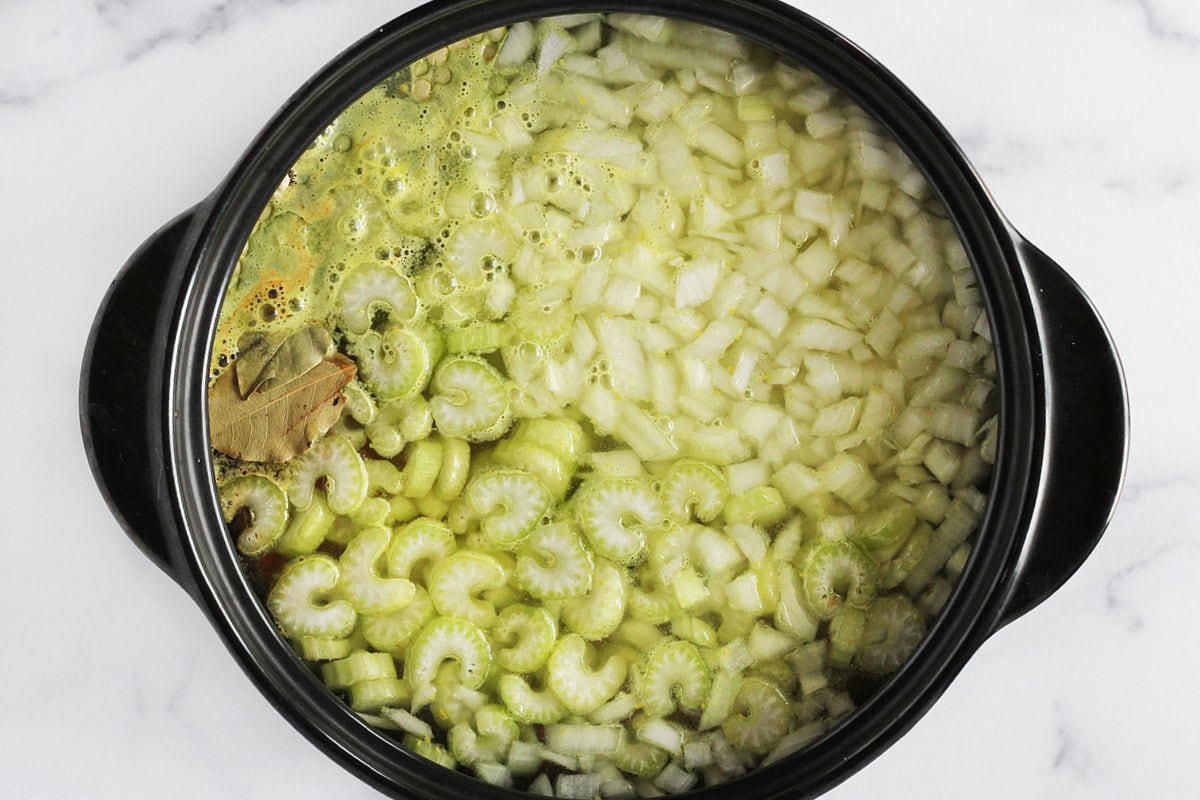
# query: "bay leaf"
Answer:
x=278 y=423
x=267 y=360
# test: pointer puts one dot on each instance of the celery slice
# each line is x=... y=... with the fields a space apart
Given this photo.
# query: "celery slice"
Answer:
x=421 y=541
x=582 y=689
x=614 y=513
x=838 y=572
x=470 y=400
x=372 y=288
x=598 y=613
x=532 y=632
x=307 y=529
x=356 y=668
x=360 y=581
x=266 y=505
x=392 y=633
x=553 y=564
x=528 y=705
x=511 y=503
x=448 y=638
x=693 y=487
x=456 y=464
x=334 y=459
x=760 y=717
x=454 y=580
x=297 y=600
x=671 y=665
x=894 y=627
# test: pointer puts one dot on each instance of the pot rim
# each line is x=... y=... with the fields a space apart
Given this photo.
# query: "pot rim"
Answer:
x=203 y=270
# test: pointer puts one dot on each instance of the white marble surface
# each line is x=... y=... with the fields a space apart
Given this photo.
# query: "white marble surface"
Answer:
x=1083 y=117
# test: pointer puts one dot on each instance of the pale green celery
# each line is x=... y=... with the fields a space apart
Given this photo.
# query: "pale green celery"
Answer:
x=792 y=614
x=431 y=751
x=893 y=629
x=510 y=503
x=524 y=758
x=360 y=581
x=532 y=632
x=360 y=405
x=371 y=512
x=643 y=433
x=297 y=601
x=693 y=487
x=478 y=337
x=760 y=717
x=675 y=664
x=432 y=506
x=314 y=649
x=655 y=605
x=397 y=423
x=372 y=695
x=382 y=477
x=533 y=320
x=528 y=705
x=581 y=689
x=401 y=510
x=552 y=471
x=614 y=513
x=639 y=634
x=357 y=667
x=836 y=573
x=720 y=701
x=450 y=702
x=720 y=446
x=553 y=564
x=408 y=723
x=395 y=364
x=392 y=633
x=598 y=613
x=307 y=529
x=659 y=733
x=887 y=529
x=563 y=437
x=695 y=630
x=423 y=462
x=850 y=479
x=422 y=540
x=619 y=708
x=372 y=288
x=454 y=581
x=455 y=469
x=265 y=504
x=640 y=758
x=448 y=639
x=910 y=554
x=336 y=460
x=760 y=506
x=788 y=541
x=470 y=400
x=767 y=643
x=845 y=635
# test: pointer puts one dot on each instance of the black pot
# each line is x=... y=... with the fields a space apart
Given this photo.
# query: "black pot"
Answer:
x=1063 y=421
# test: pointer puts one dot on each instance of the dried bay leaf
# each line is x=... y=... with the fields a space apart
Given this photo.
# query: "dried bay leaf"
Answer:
x=278 y=423
x=268 y=360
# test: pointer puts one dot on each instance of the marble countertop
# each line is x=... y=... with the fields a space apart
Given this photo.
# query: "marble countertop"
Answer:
x=1082 y=116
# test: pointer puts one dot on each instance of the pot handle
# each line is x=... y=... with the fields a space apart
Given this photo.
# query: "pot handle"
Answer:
x=1087 y=434
x=121 y=392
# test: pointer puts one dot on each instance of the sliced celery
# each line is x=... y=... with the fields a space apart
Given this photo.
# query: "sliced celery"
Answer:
x=553 y=564
x=760 y=717
x=598 y=613
x=372 y=288
x=893 y=629
x=838 y=572
x=395 y=364
x=614 y=513
x=335 y=460
x=448 y=638
x=455 y=580
x=298 y=604
x=265 y=504
x=392 y=633
x=693 y=487
x=470 y=400
x=532 y=633
x=360 y=581
x=510 y=502
x=671 y=665
x=581 y=688
x=527 y=704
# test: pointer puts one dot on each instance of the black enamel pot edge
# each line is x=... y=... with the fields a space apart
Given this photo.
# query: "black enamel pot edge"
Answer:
x=1061 y=451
